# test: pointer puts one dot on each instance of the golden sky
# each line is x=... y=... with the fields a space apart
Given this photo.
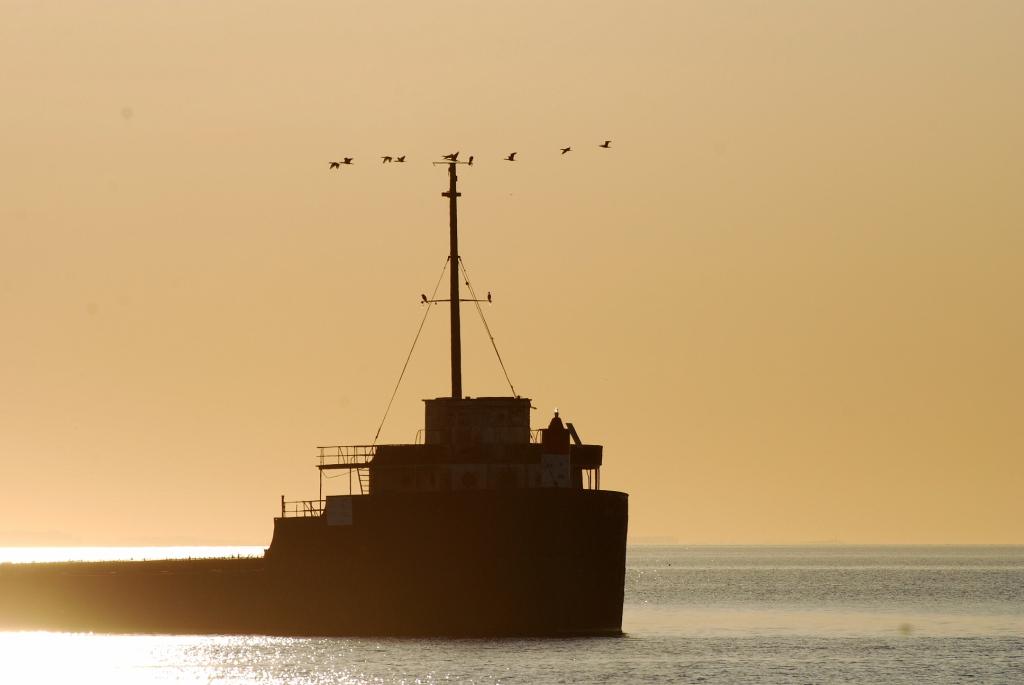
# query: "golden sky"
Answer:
x=788 y=300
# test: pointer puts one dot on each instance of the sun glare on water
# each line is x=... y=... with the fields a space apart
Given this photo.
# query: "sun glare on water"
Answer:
x=23 y=555
x=42 y=657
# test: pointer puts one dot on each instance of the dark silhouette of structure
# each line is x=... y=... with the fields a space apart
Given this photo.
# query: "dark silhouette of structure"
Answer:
x=453 y=157
x=481 y=527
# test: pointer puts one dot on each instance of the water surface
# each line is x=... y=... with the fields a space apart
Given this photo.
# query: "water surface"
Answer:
x=828 y=614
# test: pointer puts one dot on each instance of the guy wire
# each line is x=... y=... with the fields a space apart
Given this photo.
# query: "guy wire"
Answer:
x=490 y=335
x=409 y=356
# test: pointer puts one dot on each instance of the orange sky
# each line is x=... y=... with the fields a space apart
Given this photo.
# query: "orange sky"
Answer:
x=787 y=300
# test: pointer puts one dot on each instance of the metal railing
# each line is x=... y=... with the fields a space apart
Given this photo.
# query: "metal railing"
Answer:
x=301 y=507
x=346 y=455
x=535 y=433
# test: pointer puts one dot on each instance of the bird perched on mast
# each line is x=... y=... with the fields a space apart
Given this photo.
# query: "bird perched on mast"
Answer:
x=471 y=160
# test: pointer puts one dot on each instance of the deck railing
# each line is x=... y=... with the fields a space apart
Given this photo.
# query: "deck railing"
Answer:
x=535 y=433
x=301 y=507
x=346 y=455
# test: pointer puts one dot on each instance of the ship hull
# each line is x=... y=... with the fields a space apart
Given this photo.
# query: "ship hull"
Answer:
x=538 y=562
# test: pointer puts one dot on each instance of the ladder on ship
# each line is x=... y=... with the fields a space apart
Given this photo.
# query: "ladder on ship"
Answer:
x=348 y=458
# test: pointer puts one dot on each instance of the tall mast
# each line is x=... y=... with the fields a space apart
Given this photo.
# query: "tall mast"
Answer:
x=453 y=266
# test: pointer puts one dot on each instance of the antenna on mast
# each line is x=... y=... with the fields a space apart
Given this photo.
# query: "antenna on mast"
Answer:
x=453 y=223
x=452 y=161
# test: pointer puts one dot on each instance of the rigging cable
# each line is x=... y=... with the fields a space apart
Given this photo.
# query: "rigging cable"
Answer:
x=490 y=335
x=409 y=356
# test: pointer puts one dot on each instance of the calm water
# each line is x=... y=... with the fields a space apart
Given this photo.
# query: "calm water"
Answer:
x=693 y=615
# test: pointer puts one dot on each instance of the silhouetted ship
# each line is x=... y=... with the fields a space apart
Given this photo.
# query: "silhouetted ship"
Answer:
x=482 y=527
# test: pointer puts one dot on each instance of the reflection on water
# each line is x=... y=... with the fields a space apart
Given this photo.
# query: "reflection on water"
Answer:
x=826 y=591
x=787 y=621
x=706 y=614
x=21 y=555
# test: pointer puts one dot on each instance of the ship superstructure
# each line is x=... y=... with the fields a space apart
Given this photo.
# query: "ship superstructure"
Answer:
x=482 y=526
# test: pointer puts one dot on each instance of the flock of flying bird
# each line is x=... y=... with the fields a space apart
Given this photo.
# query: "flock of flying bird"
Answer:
x=453 y=157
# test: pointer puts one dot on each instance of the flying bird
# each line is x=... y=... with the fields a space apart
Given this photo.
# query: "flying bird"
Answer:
x=335 y=165
x=346 y=160
x=566 y=149
x=606 y=143
x=453 y=157
x=511 y=157
x=385 y=159
x=400 y=160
